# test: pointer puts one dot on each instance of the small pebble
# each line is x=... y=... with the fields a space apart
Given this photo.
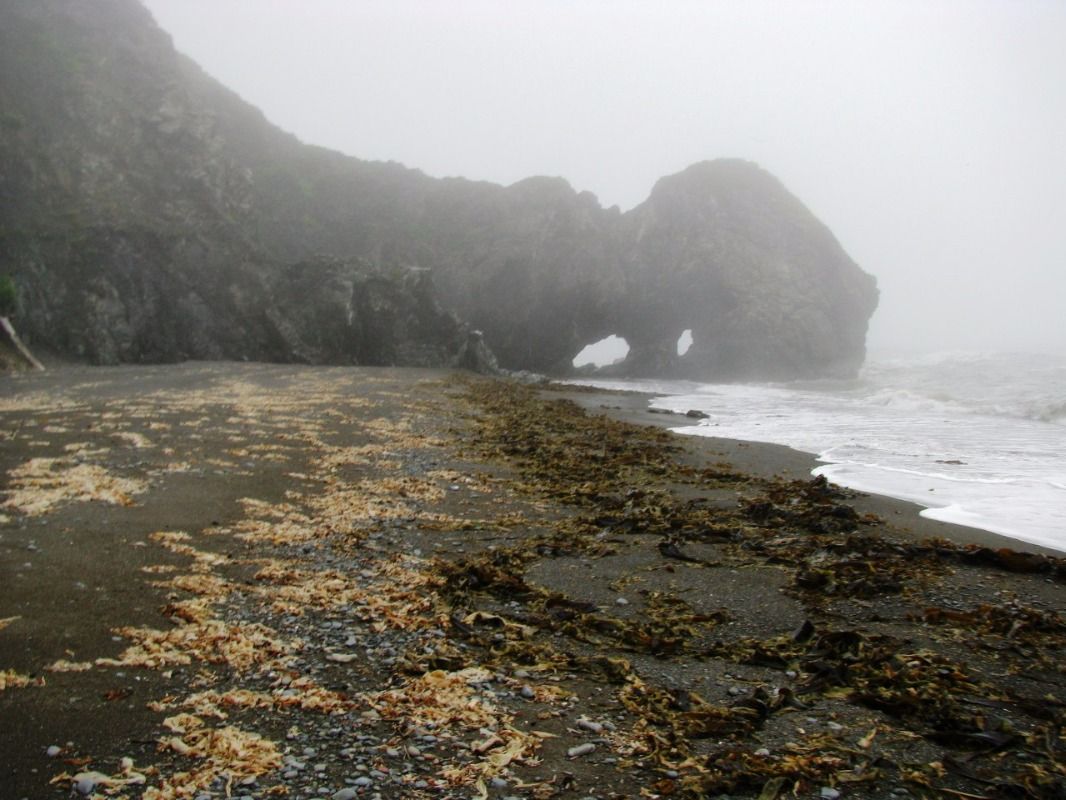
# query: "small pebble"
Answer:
x=762 y=751
x=581 y=750
x=85 y=785
x=363 y=780
x=589 y=725
x=621 y=601
x=527 y=692
x=53 y=751
x=835 y=726
x=829 y=793
x=499 y=783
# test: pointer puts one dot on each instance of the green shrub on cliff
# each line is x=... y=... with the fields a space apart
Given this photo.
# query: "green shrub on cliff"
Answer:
x=8 y=296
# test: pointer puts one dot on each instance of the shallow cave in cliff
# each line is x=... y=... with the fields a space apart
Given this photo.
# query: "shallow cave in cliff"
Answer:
x=608 y=350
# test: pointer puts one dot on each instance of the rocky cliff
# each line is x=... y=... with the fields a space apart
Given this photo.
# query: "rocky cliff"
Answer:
x=148 y=213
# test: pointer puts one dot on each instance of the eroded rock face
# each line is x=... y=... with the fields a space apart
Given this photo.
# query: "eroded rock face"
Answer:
x=724 y=250
x=149 y=214
x=136 y=199
x=721 y=249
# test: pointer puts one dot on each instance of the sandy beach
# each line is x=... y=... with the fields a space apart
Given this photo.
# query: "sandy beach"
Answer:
x=245 y=580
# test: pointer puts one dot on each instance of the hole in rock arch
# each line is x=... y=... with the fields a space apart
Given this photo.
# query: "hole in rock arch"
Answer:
x=684 y=342
x=606 y=351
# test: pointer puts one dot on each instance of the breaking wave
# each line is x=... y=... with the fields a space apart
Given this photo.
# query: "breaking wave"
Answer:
x=977 y=438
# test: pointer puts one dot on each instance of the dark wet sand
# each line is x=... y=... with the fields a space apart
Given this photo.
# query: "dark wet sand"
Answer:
x=214 y=434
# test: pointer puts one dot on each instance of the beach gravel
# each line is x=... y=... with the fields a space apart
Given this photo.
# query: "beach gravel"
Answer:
x=242 y=580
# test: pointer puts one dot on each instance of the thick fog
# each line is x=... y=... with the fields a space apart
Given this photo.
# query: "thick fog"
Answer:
x=929 y=136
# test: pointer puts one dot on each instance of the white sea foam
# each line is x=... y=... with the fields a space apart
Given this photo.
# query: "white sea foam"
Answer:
x=979 y=439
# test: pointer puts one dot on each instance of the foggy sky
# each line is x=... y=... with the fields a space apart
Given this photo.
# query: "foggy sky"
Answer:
x=929 y=136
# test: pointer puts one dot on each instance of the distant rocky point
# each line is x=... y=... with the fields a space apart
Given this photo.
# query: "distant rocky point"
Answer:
x=147 y=213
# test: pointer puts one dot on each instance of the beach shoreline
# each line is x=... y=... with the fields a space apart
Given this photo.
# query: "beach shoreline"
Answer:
x=769 y=459
x=246 y=579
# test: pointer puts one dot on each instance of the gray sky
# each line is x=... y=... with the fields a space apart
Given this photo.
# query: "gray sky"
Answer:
x=929 y=136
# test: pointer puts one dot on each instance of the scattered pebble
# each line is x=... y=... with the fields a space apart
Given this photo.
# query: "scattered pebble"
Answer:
x=85 y=782
x=53 y=751
x=589 y=725
x=621 y=601
x=829 y=793
x=581 y=750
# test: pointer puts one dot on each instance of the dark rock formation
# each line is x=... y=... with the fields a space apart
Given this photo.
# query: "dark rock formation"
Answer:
x=722 y=249
x=149 y=214
x=132 y=219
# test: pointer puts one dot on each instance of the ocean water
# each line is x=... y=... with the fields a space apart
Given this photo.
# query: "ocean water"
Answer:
x=979 y=439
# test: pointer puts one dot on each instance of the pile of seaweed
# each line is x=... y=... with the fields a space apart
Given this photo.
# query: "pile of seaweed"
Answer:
x=922 y=667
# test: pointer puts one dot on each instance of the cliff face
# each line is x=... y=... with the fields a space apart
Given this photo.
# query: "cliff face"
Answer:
x=724 y=250
x=147 y=213
x=135 y=191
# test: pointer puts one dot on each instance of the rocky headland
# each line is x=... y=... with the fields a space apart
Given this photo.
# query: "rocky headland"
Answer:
x=150 y=214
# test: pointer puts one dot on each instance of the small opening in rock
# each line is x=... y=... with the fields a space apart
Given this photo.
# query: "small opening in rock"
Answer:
x=604 y=352
x=684 y=342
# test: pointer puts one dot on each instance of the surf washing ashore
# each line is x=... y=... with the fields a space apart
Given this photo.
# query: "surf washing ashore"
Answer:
x=979 y=439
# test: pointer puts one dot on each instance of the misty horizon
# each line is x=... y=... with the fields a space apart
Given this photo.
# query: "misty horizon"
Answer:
x=925 y=136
